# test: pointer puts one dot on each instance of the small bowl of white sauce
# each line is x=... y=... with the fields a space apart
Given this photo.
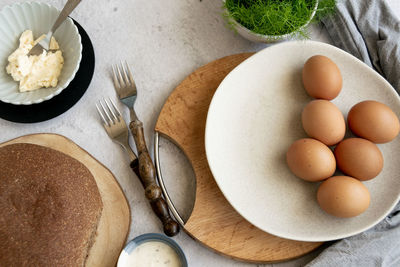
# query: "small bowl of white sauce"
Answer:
x=152 y=250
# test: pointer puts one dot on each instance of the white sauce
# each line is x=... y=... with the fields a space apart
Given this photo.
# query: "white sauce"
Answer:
x=150 y=254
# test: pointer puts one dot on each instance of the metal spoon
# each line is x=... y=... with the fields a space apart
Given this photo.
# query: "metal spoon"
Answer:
x=45 y=43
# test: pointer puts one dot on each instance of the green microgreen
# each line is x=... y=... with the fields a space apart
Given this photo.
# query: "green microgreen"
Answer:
x=275 y=17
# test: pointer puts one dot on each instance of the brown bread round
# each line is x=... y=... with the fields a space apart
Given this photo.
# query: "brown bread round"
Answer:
x=50 y=207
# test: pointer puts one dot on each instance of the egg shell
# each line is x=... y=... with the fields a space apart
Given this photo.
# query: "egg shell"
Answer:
x=311 y=160
x=322 y=78
x=359 y=158
x=343 y=196
x=374 y=121
x=323 y=121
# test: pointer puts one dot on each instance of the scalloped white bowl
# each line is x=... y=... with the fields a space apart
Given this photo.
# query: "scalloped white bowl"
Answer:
x=38 y=17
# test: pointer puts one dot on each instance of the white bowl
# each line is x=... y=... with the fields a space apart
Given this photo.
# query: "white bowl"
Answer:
x=38 y=17
x=256 y=37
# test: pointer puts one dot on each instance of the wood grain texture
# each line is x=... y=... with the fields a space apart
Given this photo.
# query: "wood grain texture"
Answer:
x=114 y=223
x=213 y=221
x=147 y=176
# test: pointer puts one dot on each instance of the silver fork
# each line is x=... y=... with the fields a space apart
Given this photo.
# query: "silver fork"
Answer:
x=44 y=44
x=126 y=90
x=125 y=87
x=116 y=128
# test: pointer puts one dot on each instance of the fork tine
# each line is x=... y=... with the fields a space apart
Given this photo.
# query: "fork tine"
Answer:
x=115 y=79
x=105 y=112
x=101 y=115
x=130 y=74
x=116 y=109
x=121 y=80
x=126 y=80
x=111 y=110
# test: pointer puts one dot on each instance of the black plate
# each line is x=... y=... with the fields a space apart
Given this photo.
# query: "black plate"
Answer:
x=60 y=103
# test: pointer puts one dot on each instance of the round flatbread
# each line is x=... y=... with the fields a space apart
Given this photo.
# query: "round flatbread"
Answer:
x=50 y=207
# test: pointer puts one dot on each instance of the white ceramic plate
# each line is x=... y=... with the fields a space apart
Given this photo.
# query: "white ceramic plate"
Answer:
x=38 y=17
x=255 y=115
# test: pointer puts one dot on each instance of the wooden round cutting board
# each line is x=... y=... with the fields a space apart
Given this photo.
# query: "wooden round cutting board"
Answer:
x=213 y=221
x=113 y=226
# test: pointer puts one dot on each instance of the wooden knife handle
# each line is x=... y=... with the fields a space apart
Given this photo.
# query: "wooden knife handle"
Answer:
x=148 y=178
x=135 y=167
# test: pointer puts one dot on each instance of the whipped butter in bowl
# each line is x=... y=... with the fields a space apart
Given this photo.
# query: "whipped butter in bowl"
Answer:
x=50 y=73
x=152 y=250
x=35 y=72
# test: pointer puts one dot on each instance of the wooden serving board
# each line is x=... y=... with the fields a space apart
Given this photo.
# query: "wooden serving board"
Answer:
x=213 y=221
x=114 y=222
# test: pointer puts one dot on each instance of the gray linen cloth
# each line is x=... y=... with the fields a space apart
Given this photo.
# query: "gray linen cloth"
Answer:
x=369 y=30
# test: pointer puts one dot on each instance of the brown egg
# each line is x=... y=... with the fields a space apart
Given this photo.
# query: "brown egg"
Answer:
x=343 y=196
x=322 y=78
x=323 y=121
x=311 y=160
x=359 y=158
x=374 y=121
